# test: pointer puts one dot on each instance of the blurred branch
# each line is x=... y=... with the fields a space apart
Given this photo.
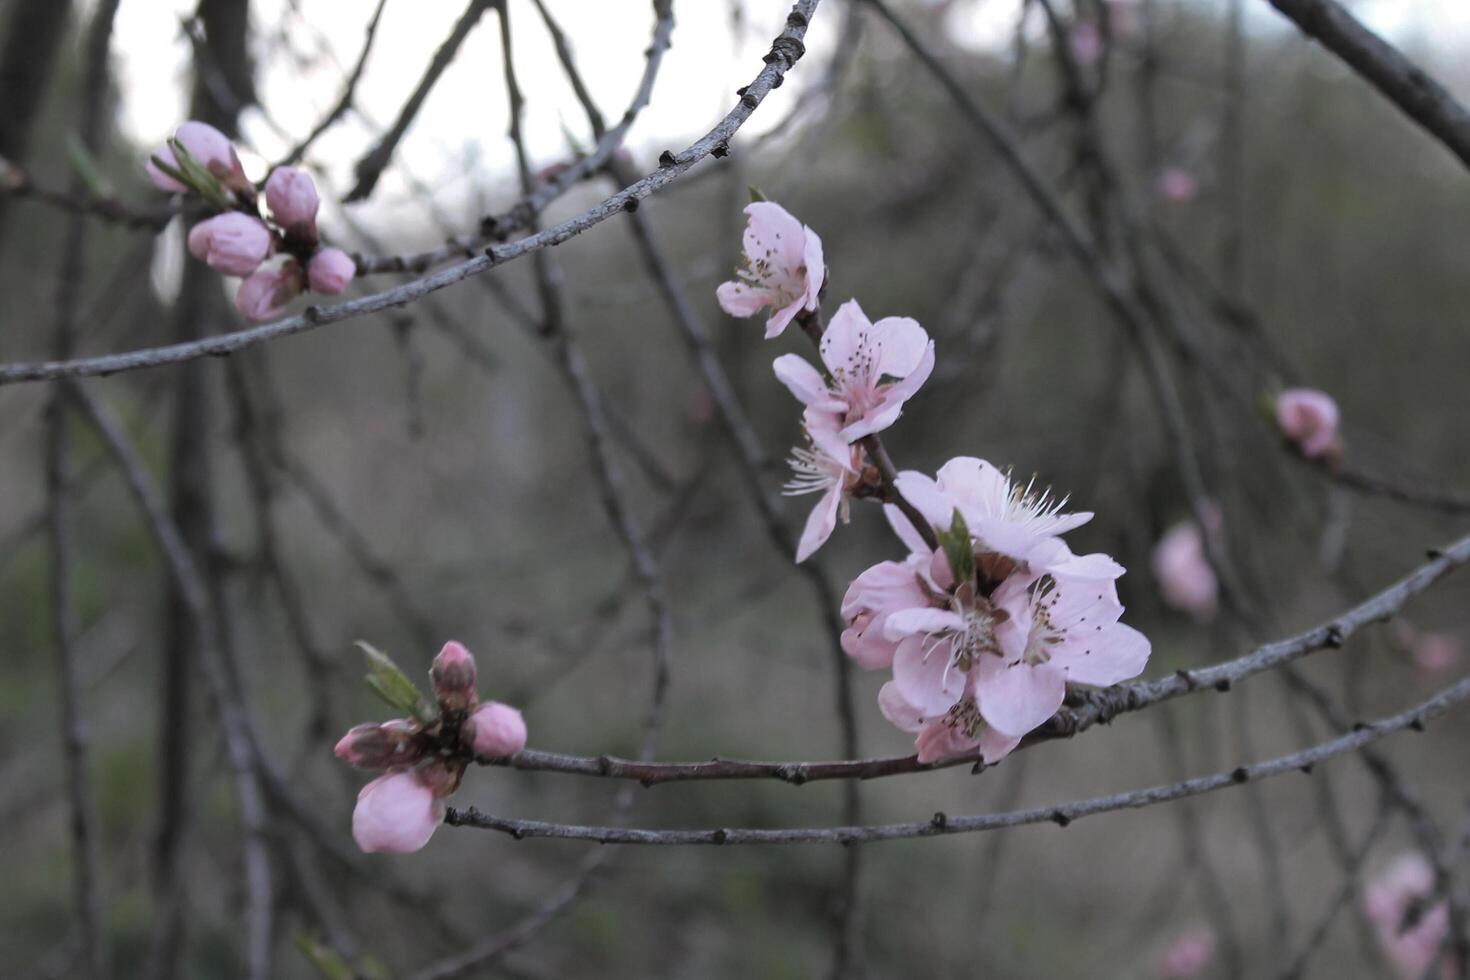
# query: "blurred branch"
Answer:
x=370 y=168
x=349 y=94
x=18 y=184
x=942 y=824
x=785 y=51
x=1405 y=84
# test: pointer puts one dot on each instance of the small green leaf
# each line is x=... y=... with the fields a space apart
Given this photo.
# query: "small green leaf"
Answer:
x=959 y=549
x=328 y=961
x=393 y=685
x=194 y=175
x=86 y=167
x=755 y=194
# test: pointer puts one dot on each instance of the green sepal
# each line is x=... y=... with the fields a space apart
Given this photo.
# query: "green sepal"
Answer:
x=328 y=962
x=755 y=194
x=195 y=176
x=958 y=549
x=393 y=685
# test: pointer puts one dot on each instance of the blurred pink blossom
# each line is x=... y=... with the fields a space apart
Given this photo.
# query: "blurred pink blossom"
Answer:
x=1308 y=418
x=1187 y=955
x=232 y=243
x=1390 y=901
x=1186 y=580
x=1177 y=185
x=783 y=268
x=1435 y=653
x=1087 y=43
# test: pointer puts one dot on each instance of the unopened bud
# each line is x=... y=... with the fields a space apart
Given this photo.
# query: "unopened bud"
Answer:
x=498 y=730
x=291 y=196
x=380 y=746
x=453 y=677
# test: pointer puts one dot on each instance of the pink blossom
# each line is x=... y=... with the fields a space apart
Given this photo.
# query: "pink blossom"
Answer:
x=266 y=293
x=1058 y=630
x=396 y=813
x=1435 y=653
x=1188 y=955
x=1308 y=418
x=783 y=268
x=1087 y=43
x=453 y=675
x=874 y=367
x=291 y=196
x=1177 y=185
x=1390 y=902
x=1005 y=518
x=499 y=730
x=1186 y=579
x=885 y=588
x=816 y=470
x=330 y=270
x=958 y=731
x=232 y=243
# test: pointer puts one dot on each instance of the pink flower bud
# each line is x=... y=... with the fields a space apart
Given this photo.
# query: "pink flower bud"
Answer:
x=160 y=179
x=1435 y=653
x=291 y=196
x=396 y=813
x=213 y=150
x=1177 y=185
x=1188 y=955
x=232 y=243
x=380 y=746
x=265 y=294
x=1186 y=579
x=499 y=730
x=1308 y=418
x=453 y=677
x=330 y=270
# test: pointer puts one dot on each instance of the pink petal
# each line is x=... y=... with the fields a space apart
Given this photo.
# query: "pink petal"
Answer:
x=741 y=299
x=773 y=234
x=820 y=523
x=846 y=343
x=904 y=528
x=395 y=813
x=938 y=741
x=1016 y=697
x=907 y=622
x=930 y=682
x=899 y=711
x=927 y=498
x=890 y=403
x=901 y=345
x=884 y=587
x=816 y=269
x=994 y=746
x=806 y=383
x=1106 y=656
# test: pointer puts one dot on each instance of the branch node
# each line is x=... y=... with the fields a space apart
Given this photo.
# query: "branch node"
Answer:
x=1241 y=774
x=940 y=819
x=1335 y=637
x=666 y=159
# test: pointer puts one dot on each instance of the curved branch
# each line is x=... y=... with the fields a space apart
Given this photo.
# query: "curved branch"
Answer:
x=1092 y=708
x=942 y=824
x=785 y=51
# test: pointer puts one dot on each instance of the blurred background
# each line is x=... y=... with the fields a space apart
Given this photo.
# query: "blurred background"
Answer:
x=422 y=474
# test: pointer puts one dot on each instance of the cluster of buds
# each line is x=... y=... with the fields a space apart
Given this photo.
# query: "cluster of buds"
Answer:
x=423 y=757
x=983 y=632
x=201 y=161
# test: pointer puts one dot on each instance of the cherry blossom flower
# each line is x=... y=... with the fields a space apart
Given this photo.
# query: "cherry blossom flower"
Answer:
x=396 y=813
x=816 y=469
x=330 y=270
x=1087 y=43
x=267 y=291
x=1308 y=418
x=291 y=196
x=1017 y=522
x=783 y=268
x=1409 y=934
x=232 y=243
x=874 y=368
x=1186 y=579
x=1058 y=630
x=1187 y=955
x=1435 y=653
x=958 y=731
